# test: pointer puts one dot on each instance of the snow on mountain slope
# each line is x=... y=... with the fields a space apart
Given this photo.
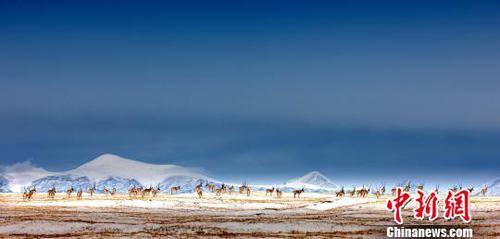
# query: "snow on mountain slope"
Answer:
x=4 y=185
x=187 y=183
x=108 y=165
x=493 y=188
x=61 y=183
x=122 y=184
x=312 y=181
x=107 y=169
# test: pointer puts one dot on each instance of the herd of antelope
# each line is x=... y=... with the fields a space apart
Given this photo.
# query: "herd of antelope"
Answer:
x=136 y=192
x=364 y=191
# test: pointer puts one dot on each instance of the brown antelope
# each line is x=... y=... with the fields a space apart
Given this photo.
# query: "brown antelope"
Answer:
x=360 y=191
x=25 y=193
x=199 y=191
x=133 y=192
x=243 y=187
x=363 y=192
x=394 y=189
x=484 y=190
x=218 y=191
x=382 y=190
x=106 y=191
x=247 y=190
x=79 y=194
x=279 y=193
x=270 y=191
x=155 y=190
x=231 y=189
x=91 y=190
x=297 y=192
x=352 y=192
x=340 y=193
x=146 y=191
x=28 y=194
x=69 y=192
x=211 y=187
x=51 y=192
x=407 y=186
x=175 y=189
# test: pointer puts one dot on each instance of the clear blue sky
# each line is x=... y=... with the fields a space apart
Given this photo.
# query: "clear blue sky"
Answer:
x=254 y=88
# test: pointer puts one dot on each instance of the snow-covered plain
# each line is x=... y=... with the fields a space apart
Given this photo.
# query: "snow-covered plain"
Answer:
x=237 y=215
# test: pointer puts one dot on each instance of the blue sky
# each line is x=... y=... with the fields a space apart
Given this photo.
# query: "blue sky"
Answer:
x=254 y=89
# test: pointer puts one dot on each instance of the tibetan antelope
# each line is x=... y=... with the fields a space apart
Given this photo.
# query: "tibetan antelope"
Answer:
x=296 y=193
x=279 y=193
x=28 y=194
x=436 y=189
x=211 y=187
x=69 y=191
x=247 y=188
x=79 y=194
x=199 y=190
x=382 y=190
x=340 y=193
x=407 y=186
x=363 y=192
x=242 y=188
x=91 y=190
x=218 y=191
x=155 y=190
x=146 y=191
x=484 y=190
x=133 y=192
x=106 y=190
x=353 y=191
x=270 y=191
x=394 y=190
x=175 y=190
x=51 y=193
x=470 y=189
x=421 y=186
x=113 y=191
x=231 y=189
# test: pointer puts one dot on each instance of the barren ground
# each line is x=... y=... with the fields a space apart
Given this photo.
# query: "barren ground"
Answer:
x=238 y=216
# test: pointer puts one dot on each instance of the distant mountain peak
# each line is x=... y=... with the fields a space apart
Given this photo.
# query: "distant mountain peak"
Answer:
x=313 y=178
x=109 y=160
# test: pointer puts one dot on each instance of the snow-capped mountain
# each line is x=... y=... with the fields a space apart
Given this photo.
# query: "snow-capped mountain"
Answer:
x=493 y=188
x=110 y=170
x=4 y=185
x=61 y=183
x=109 y=165
x=312 y=181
